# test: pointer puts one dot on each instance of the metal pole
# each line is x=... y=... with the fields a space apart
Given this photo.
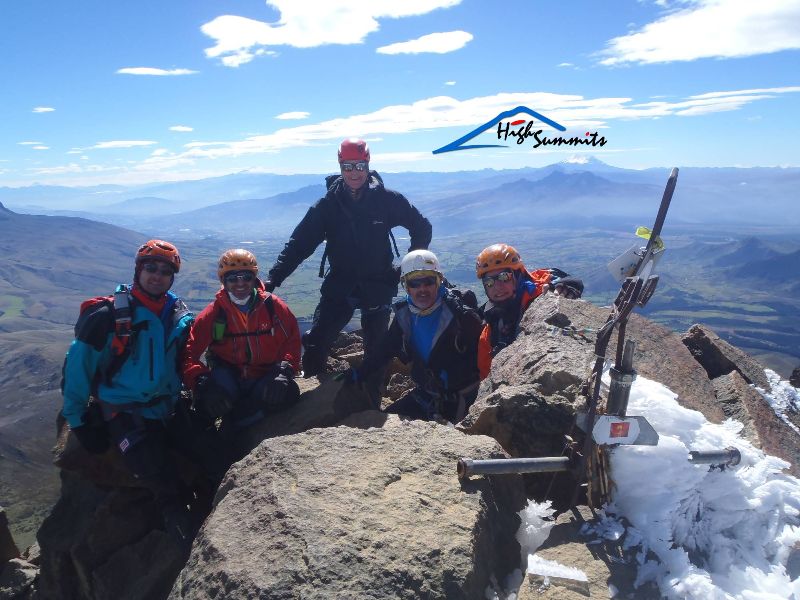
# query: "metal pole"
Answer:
x=622 y=376
x=730 y=457
x=503 y=466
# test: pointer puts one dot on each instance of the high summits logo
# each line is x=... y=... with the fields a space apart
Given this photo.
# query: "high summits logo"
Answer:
x=520 y=130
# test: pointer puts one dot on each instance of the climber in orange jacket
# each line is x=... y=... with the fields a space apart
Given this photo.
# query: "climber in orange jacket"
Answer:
x=253 y=349
x=511 y=288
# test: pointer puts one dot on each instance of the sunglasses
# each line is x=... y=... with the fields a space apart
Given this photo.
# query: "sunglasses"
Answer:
x=154 y=268
x=359 y=166
x=245 y=276
x=504 y=276
x=420 y=282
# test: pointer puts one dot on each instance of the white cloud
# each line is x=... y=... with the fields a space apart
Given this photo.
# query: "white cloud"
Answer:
x=298 y=114
x=41 y=147
x=29 y=143
x=436 y=43
x=75 y=151
x=449 y=82
x=121 y=144
x=154 y=71
x=43 y=109
x=711 y=29
x=308 y=24
x=159 y=152
x=565 y=64
x=572 y=111
x=181 y=128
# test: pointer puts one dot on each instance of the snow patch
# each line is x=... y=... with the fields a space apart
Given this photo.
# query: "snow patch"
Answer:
x=698 y=532
x=550 y=568
x=782 y=399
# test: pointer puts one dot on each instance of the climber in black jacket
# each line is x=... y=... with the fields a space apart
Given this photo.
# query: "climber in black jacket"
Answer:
x=355 y=218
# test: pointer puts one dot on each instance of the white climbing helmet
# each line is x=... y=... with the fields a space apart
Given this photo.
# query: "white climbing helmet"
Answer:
x=419 y=260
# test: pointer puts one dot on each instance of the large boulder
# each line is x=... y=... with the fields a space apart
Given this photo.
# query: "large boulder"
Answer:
x=354 y=513
x=718 y=357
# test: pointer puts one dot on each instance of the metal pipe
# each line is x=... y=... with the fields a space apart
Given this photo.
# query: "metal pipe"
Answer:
x=730 y=457
x=622 y=377
x=503 y=466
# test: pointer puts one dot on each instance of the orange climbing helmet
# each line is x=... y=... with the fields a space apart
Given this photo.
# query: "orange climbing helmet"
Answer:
x=236 y=259
x=161 y=251
x=498 y=256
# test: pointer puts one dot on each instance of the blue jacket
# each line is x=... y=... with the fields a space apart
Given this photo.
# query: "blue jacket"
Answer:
x=150 y=371
x=451 y=363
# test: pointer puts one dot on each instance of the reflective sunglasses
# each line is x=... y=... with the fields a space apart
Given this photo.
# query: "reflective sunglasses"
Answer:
x=359 y=166
x=245 y=276
x=504 y=276
x=152 y=267
x=419 y=282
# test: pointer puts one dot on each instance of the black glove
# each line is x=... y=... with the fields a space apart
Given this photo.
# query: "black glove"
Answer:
x=210 y=399
x=93 y=438
x=282 y=390
x=569 y=287
x=269 y=286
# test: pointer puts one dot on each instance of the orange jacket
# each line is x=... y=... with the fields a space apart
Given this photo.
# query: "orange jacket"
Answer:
x=254 y=342
x=540 y=278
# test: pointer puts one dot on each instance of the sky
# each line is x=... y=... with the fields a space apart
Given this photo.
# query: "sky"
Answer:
x=721 y=534
x=136 y=92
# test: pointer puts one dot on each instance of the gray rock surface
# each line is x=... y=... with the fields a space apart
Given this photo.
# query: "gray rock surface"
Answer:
x=349 y=513
x=794 y=378
x=718 y=357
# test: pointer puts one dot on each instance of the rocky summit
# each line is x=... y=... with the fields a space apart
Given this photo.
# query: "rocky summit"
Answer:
x=337 y=500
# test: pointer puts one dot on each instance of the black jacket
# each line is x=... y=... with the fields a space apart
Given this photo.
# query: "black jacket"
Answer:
x=453 y=361
x=358 y=246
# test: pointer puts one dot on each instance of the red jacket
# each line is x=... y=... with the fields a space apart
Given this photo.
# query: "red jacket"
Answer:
x=253 y=341
x=540 y=277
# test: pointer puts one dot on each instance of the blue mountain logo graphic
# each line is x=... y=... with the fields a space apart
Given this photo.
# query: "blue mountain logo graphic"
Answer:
x=524 y=130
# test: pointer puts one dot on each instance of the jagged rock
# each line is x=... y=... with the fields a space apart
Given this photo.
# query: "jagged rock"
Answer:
x=737 y=398
x=718 y=357
x=8 y=549
x=348 y=513
x=32 y=554
x=605 y=564
x=761 y=425
x=18 y=580
x=92 y=531
x=794 y=378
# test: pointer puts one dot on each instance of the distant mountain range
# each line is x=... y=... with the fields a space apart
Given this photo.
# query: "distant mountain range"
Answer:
x=582 y=188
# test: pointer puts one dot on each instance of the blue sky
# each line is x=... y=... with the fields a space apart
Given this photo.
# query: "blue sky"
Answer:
x=133 y=92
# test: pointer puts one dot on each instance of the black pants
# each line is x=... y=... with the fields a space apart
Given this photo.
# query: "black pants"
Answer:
x=419 y=404
x=330 y=317
x=145 y=446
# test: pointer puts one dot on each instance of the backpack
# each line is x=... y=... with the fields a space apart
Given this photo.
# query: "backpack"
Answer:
x=120 y=309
